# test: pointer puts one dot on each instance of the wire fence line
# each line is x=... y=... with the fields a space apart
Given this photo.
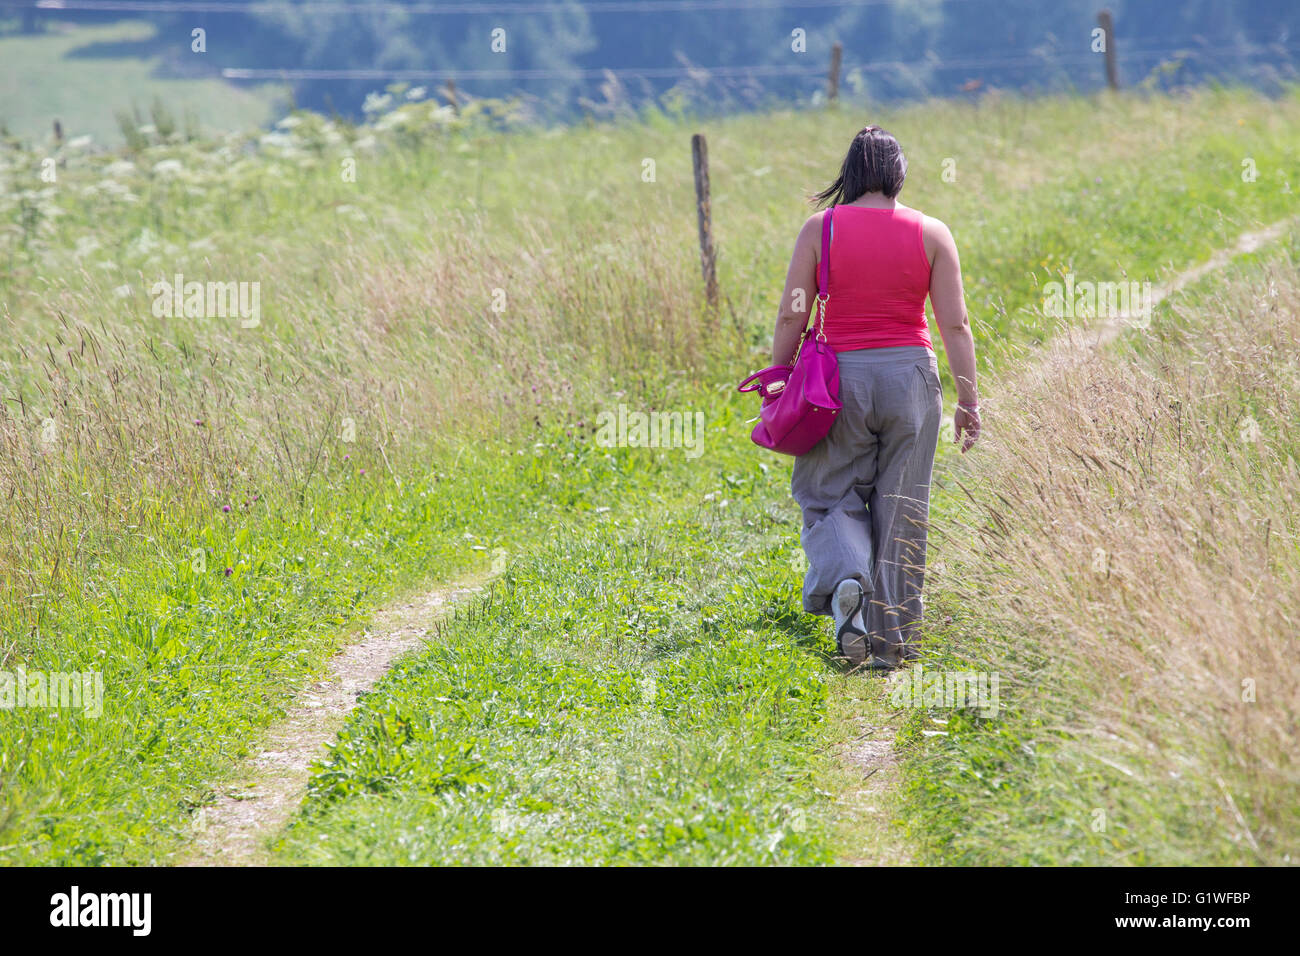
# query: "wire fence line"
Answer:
x=452 y=9
x=965 y=64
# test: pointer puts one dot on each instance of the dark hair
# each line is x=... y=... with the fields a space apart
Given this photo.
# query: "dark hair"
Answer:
x=875 y=164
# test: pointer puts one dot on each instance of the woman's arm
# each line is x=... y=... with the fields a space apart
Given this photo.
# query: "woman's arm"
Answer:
x=949 y=305
x=800 y=291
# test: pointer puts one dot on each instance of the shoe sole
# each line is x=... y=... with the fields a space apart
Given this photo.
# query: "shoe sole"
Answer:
x=851 y=645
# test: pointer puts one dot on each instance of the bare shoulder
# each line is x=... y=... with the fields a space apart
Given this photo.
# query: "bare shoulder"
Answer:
x=937 y=228
x=937 y=238
x=810 y=233
x=814 y=222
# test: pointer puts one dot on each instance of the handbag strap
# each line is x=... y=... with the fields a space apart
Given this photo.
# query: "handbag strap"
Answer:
x=823 y=277
x=823 y=291
x=824 y=267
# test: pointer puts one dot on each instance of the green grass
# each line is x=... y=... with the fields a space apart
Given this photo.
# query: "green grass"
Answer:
x=83 y=75
x=376 y=305
x=640 y=691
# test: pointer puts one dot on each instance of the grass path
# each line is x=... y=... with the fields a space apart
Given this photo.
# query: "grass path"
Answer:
x=259 y=801
x=863 y=728
x=1248 y=242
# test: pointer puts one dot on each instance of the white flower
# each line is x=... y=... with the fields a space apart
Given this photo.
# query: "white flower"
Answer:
x=290 y=122
x=388 y=121
x=144 y=244
x=79 y=142
x=122 y=292
x=377 y=102
x=416 y=93
x=167 y=168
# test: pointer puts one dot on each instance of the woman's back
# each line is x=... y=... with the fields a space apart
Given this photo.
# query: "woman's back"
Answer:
x=879 y=278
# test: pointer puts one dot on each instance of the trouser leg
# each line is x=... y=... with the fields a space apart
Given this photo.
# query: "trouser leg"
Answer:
x=907 y=421
x=831 y=483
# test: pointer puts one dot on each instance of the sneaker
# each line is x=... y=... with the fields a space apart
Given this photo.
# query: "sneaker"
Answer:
x=850 y=629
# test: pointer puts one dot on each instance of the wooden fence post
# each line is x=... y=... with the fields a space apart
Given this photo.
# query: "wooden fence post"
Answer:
x=1107 y=24
x=833 y=80
x=450 y=92
x=708 y=259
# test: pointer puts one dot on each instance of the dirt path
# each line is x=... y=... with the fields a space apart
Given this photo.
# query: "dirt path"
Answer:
x=870 y=763
x=234 y=830
x=1246 y=243
x=871 y=760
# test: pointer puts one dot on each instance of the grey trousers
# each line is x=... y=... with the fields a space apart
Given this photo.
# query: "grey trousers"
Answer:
x=865 y=492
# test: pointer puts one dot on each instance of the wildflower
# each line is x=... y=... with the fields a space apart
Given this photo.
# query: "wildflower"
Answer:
x=229 y=571
x=377 y=103
x=168 y=167
x=225 y=509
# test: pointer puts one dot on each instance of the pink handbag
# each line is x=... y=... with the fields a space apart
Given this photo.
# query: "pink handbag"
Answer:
x=800 y=402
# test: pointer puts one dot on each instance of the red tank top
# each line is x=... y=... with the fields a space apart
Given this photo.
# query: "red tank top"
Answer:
x=879 y=278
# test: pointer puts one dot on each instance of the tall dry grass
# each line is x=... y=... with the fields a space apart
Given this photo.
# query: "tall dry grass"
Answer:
x=483 y=333
x=1132 y=546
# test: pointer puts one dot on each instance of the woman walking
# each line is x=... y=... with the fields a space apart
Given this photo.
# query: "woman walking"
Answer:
x=865 y=489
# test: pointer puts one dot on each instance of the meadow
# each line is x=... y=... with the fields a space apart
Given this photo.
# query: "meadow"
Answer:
x=205 y=509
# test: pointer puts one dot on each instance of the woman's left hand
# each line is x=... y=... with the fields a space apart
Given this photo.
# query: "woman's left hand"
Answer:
x=966 y=426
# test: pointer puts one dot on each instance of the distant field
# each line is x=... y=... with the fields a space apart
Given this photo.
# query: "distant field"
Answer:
x=72 y=73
